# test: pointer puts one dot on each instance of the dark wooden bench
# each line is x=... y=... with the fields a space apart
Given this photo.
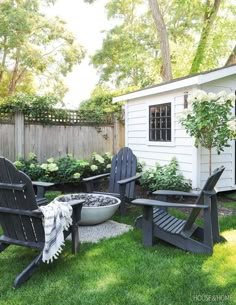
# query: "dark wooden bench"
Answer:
x=122 y=177
x=185 y=234
x=21 y=220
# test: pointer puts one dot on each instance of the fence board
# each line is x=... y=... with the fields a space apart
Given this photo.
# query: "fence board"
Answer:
x=57 y=140
x=7 y=141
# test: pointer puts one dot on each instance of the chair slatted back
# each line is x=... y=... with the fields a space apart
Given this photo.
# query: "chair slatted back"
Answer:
x=123 y=166
x=16 y=192
x=208 y=187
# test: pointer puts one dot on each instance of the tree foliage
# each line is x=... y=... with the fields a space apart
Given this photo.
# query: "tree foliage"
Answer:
x=33 y=45
x=210 y=120
x=200 y=32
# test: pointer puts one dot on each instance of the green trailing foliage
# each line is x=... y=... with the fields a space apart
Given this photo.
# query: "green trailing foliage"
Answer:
x=28 y=103
x=100 y=106
x=164 y=177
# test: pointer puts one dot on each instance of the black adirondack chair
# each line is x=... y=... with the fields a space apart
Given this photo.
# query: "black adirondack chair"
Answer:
x=122 y=177
x=21 y=220
x=184 y=234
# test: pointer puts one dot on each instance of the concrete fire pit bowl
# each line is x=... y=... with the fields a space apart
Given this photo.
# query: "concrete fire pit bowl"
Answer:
x=96 y=209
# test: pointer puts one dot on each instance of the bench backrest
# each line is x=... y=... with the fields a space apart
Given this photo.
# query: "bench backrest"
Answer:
x=123 y=165
x=17 y=194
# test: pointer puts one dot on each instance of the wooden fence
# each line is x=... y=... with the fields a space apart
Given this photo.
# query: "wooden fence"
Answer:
x=57 y=137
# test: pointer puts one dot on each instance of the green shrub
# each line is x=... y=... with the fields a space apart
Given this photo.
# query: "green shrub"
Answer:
x=100 y=164
x=164 y=178
x=64 y=169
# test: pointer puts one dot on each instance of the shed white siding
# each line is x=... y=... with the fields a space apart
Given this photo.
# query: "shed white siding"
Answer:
x=227 y=157
x=193 y=163
x=137 y=137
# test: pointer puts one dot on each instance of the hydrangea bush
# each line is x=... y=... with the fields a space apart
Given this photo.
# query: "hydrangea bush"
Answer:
x=210 y=121
x=164 y=177
x=65 y=169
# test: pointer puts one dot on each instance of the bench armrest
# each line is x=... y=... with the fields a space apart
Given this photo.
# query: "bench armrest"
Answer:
x=163 y=204
x=128 y=180
x=176 y=193
x=41 y=187
x=93 y=178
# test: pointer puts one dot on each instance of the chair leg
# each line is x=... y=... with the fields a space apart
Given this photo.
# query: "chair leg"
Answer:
x=147 y=226
x=207 y=228
x=75 y=228
x=215 y=222
x=28 y=271
x=75 y=238
x=122 y=200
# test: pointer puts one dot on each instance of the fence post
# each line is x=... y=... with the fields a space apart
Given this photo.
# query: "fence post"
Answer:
x=19 y=135
x=118 y=137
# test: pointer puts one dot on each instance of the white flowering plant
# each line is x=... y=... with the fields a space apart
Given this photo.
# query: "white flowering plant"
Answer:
x=65 y=169
x=100 y=163
x=210 y=121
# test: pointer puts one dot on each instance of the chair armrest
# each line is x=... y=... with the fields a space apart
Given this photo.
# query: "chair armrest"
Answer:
x=74 y=203
x=41 y=201
x=128 y=180
x=41 y=187
x=176 y=193
x=34 y=213
x=163 y=204
x=96 y=177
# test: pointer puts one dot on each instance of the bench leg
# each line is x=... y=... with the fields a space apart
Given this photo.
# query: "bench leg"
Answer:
x=147 y=226
x=3 y=246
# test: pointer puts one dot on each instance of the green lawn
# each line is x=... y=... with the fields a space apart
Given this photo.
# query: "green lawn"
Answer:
x=121 y=271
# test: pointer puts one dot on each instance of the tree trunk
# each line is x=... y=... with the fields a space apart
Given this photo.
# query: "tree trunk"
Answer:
x=4 y=56
x=164 y=41
x=232 y=58
x=210 y=151
x=209 y=18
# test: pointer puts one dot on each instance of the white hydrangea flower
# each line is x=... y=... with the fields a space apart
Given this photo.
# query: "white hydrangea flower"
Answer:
x=76 y=176
x=231 y=97
x=211 y=96
x=50 y=160
x=187 y=111
x=44 y=166
x=93 y=167
x=99 y=158
x=220 y=101
x=108 y=166
x=32 y=165
x=18 y=164
x=232 y=125
x=191 y=99
x=52 y=167
x=32 y=156
x=221 y=94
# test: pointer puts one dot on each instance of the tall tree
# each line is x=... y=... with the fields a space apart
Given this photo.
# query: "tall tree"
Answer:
x=232 y=58
x=211 y=10
x=166 y=70
x=33 y=44
x=192 y=33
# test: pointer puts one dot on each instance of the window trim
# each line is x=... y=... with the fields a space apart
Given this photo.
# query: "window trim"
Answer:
x=160 y=143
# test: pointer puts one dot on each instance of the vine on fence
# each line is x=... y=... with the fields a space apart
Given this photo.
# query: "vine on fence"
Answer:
x=44 y=109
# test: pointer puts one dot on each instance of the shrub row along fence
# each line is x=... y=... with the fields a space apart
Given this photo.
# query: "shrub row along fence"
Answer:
x=56 y=134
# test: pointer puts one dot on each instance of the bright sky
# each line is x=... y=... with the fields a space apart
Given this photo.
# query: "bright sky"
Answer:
x=86 y=22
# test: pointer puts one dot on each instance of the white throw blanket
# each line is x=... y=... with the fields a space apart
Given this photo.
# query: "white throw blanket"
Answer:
x=57 y=218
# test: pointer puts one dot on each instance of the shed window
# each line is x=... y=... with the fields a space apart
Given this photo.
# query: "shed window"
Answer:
x=160 y=123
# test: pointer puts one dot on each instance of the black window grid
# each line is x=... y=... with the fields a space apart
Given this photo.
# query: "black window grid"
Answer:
x=160 y=123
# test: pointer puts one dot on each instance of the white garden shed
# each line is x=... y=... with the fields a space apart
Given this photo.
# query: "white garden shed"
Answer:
x=153 y=144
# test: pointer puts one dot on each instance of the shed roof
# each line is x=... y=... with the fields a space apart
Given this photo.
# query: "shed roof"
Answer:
x=182 y=82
